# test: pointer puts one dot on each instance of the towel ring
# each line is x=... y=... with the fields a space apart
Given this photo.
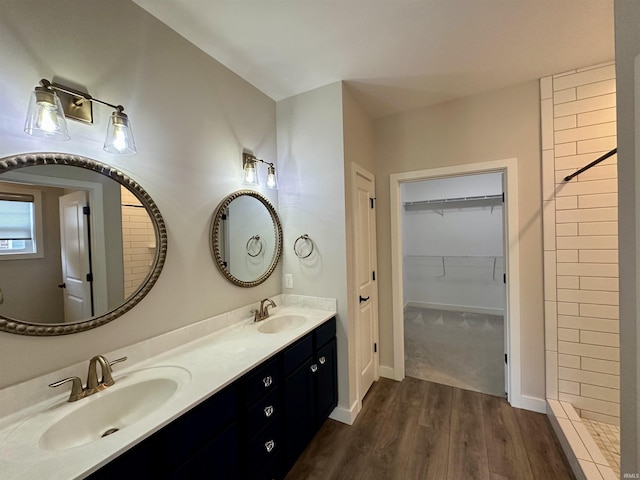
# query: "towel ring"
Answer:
x=304 y=238
x=255 y=238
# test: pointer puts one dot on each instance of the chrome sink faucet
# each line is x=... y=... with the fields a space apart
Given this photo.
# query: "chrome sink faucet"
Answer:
x=263 y=310
x=93 y=385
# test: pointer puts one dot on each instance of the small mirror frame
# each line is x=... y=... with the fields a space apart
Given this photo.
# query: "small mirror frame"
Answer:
x=214 y=243
x=23 y=327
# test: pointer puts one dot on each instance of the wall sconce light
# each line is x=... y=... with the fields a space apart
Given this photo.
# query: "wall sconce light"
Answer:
x=250 y=172
x=51 y=104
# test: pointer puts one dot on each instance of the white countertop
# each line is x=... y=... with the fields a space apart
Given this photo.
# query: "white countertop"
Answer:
x=202 y=367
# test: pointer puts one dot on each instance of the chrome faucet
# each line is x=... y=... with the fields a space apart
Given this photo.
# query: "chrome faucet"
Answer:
x=93 y=385
x=263 y=310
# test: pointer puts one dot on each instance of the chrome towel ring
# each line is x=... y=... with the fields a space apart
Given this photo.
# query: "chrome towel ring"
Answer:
x=253 y=240
x=298 y=247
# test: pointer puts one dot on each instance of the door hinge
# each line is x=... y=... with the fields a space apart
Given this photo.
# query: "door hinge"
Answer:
x=375 y=348
x=373 y=275
x=504 y=278
x=86 y=210
x=502 y=197
x=372 y=201
x=505 y=358
x=89 y=277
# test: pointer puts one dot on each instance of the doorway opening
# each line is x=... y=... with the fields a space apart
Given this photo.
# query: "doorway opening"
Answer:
x=454 y=291
x=508 y=169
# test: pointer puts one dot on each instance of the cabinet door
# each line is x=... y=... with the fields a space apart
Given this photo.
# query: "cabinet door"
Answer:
x=326 y=382
x=299 y=408
x=179 y=440
x=135 y=463
x=218 y=459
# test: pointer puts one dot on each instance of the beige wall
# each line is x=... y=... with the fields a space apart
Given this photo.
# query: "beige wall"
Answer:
x=497 y=125
x=191 y=119
x=358 y=149
x=581 y=241
x=627 y=19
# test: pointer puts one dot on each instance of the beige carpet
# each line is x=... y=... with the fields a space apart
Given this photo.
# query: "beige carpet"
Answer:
x=464 y=350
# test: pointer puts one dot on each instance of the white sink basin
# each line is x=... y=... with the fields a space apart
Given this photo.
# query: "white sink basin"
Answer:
x=134 y=396
x=281 y=323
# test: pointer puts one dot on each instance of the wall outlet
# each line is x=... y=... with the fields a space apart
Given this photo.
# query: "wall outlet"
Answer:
x=288 y=280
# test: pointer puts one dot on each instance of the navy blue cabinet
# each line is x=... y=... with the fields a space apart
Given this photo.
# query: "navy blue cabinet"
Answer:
x=310 y=389
x=254 y=429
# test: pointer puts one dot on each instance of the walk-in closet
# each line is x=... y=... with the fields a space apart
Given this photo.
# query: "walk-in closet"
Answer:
x=453 y=277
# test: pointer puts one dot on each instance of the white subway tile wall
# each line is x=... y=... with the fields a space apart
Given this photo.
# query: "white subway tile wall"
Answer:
x=581 y=243
x=138 y=242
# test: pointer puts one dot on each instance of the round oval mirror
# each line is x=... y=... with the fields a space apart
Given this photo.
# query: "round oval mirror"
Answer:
x=81 y=243
x=246 y=238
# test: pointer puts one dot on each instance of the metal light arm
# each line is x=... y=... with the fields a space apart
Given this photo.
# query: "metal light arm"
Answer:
x=249 y=157
x=77 y=105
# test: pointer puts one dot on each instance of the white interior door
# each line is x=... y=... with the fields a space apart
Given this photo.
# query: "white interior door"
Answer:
x=74 y=249
x=365 y=268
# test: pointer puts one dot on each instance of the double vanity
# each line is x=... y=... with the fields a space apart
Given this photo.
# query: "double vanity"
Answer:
x=239 y=402
x=236 y=396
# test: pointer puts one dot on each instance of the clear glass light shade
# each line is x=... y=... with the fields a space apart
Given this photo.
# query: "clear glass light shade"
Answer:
x=272 y=181
x=250 y=173
x=119 y=136
x=46 y=117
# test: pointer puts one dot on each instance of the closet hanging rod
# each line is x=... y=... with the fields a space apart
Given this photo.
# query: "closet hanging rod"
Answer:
x=592 y=164
x=455 y=199
x=482 y=257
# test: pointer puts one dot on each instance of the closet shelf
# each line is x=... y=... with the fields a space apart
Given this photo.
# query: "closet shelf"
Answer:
x=459 y=202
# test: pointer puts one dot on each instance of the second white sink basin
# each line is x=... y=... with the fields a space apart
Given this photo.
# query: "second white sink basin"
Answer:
x=281 y=323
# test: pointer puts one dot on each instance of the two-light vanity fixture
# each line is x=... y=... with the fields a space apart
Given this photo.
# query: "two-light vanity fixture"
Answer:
x=51 y=104
x=250 y=172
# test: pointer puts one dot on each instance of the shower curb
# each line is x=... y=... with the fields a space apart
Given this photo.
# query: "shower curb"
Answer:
x=585 y=457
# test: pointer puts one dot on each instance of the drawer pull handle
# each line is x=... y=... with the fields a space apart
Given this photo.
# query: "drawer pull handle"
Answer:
x=268 y=411
x=269 y=446
x=323 y=360
x=267 y=381
x=314 y=368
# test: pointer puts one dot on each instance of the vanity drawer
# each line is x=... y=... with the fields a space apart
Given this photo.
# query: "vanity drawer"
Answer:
x=325 y=332
x=263 y=448
x=263 y=412
x=192 y=430
x=296 y=354
x=262 y=381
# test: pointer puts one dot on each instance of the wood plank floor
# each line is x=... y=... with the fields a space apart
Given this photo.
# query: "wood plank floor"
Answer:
x=418 y=430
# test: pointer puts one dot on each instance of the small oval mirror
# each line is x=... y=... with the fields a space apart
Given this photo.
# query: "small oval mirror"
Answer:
x=246 y=238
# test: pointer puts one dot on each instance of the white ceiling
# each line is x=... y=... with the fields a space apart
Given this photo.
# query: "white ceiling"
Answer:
x=396 y=55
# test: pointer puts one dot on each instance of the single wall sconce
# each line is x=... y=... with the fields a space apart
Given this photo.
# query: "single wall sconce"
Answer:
x=51 y=104
x=250 y=172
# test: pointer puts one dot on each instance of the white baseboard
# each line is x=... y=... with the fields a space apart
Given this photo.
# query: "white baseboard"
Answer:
x=533 y=404
x=457 y=308
x=388 y=372
x=345 y=415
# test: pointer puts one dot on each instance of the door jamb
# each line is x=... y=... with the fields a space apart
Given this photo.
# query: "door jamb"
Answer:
x=509 y=168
